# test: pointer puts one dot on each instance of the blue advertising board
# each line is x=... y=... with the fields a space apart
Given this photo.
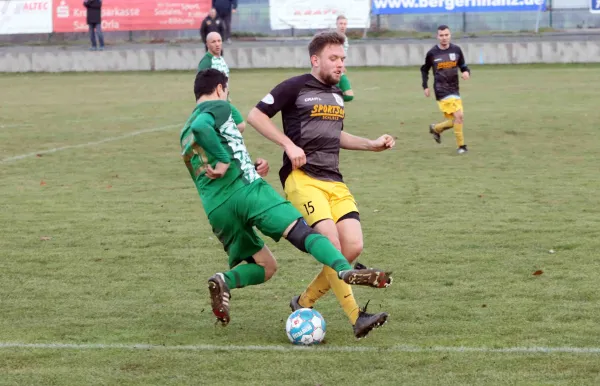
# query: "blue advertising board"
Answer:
x=595 y=6
x=386 y=7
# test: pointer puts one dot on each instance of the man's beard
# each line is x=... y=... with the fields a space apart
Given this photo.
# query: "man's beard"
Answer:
x=329 y=79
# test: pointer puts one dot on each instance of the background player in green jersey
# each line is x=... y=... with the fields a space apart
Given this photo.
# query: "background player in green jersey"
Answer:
x=214 y=59
x=341 y=26
x=236 y=199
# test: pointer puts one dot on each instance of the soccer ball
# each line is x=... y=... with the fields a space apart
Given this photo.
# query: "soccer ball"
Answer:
x=305 y=326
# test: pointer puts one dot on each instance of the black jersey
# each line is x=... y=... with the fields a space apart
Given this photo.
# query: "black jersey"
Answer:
x=445 y=64
x=313 y=118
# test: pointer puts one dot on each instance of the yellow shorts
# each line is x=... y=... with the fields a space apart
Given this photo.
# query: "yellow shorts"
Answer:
x=450 y=105
x=318 y=200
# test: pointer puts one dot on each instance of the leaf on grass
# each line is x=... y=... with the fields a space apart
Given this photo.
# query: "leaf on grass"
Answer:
x=45 y=238
x=38 y=155
x=109 y=186
x=42 y=183
x=538 y=272
x=483 y=305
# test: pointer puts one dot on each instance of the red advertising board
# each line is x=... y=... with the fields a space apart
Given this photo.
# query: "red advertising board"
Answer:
x=132 y=15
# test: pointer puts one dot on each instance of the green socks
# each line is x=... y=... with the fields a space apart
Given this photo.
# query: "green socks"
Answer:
x=244 y=275
x=325 y=253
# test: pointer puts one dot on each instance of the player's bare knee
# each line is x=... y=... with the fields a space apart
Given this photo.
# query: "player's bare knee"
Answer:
x=241 y=127
x=351 y=250
x=458 y=118
x=270 y=269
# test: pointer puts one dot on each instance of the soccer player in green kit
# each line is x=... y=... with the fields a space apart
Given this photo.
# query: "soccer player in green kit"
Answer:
x=236 y=199
x=341 y=24
x=214 y=59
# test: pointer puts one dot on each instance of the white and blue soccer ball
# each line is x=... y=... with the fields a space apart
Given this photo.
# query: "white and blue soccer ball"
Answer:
x=305 y=327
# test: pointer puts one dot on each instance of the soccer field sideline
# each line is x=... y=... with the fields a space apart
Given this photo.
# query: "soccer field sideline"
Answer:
x=92 y=143
x=275 y=348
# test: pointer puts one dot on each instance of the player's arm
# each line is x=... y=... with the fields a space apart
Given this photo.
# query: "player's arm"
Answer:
x=206 y=137
x=425 y=69
x=466 y=71
x=425 y=72
x=260 y=118
x=352 y=142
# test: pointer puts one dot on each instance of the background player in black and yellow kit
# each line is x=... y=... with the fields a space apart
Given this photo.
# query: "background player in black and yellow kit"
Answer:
x=312 y=110
x=446 y=59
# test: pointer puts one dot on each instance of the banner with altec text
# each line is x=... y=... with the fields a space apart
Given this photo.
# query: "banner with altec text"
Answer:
x=25 y=16
x=383 y=7
x=318 y=14
x=132 y=15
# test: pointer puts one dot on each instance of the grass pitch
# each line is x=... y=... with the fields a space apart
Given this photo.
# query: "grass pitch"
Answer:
x=103 y=240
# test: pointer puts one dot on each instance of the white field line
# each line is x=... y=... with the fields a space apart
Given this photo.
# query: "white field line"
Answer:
x=93 y=143
x=290 y=348
x=81 y=120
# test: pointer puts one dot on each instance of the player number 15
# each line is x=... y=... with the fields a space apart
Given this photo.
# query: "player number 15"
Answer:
x=310 y=209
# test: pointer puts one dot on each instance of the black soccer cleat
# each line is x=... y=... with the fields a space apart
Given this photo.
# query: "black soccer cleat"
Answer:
x=295 y=303
x=219 y=298
x=367 y=322
x=436 y=136
x=364 y=276
x=462 y=149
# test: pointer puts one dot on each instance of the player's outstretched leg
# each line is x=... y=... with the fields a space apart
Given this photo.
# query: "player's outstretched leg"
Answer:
x=306 y=239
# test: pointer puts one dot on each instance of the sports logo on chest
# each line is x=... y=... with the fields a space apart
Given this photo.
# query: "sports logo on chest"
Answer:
x=329 y=107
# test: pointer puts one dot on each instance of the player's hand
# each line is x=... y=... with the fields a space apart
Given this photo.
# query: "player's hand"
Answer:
x=426 y=92
x=234 y=10
x=382 y=143
x=218 y=172
x=262 y=167
x=466 y=75
x=296 y=155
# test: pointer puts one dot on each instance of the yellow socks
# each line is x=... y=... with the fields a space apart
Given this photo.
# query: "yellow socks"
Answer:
x=317 y=288
x=440 y=127
x=325 y=280
x=458 y=133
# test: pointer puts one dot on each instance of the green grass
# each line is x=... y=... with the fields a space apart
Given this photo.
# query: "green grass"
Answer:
x=130 y=248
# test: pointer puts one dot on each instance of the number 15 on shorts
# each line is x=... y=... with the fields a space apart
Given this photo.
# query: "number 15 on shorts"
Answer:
x=309 y=208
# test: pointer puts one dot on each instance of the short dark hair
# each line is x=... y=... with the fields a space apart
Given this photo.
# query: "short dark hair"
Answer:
x=443 y=27
x=207 y=81
x=341 y=17
x=323 y=39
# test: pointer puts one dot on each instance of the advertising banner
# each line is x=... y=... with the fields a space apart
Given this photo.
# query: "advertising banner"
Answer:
x=132 y=15
x=25 y=16
x=383 y=7
x=318 y=14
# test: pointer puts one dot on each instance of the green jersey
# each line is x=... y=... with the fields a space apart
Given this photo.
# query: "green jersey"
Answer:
x=346 y=45
x=211 y=61
x=210 y=136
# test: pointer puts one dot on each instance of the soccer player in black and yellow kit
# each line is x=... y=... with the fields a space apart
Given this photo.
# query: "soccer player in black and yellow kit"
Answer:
x=446 y=59
x=312 y=111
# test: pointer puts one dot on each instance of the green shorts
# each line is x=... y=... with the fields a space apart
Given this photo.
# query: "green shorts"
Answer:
x=236 y=115
x=255 y=205
x=344 y=84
